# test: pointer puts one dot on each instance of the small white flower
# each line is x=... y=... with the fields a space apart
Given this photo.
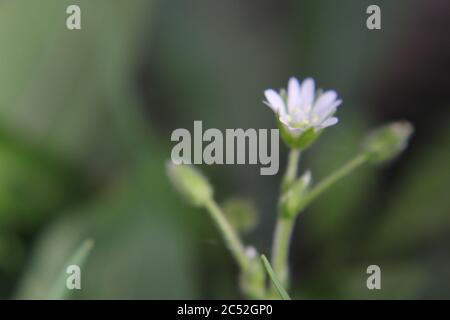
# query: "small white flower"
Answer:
x=303 y=108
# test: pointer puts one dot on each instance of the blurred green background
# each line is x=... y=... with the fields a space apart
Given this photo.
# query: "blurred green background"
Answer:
x=85 y=124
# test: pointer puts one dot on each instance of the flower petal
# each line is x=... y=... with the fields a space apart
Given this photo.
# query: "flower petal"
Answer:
x=275 y=101
x=293 y=100
x=324 y=101
x=307 y=93
x=329 y=122
x=295 y=131
x=285 y=119
x=291 y=129
x=328 y=110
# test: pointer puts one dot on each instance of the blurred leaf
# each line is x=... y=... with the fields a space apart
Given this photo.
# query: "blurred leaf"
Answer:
x=143 y=245
x=51 y=250
x=241 y=213
x=403 y=280
x=59 y=289
x=12 y=253
x=71 y=89
x=33 y=183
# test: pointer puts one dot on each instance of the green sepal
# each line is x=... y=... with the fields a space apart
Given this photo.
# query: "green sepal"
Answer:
x=301 y=141
x=388 y=141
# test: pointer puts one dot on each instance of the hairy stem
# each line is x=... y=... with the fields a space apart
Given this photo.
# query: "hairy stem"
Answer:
x=280 y=249
x=292 y=167
x=284 y=225
x=232 y=240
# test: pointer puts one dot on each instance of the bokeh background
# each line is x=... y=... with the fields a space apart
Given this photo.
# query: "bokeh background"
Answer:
x=85 y=124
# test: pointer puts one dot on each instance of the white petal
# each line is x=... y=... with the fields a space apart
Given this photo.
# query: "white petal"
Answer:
x=328 y=110
x=324 y=101
x=285 y=119
x=275 y=101
x=329 y=122
x=307 y=93
x=293 y=94
x=293 y=130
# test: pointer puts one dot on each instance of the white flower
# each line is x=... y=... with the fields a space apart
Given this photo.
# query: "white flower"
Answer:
x=303 y=108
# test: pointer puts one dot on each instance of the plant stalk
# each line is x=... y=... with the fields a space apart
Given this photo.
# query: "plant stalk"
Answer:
x=333 y=178
x=232 y=240
x=284 y=225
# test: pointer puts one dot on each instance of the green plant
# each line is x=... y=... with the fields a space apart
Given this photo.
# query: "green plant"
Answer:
x=302 y=115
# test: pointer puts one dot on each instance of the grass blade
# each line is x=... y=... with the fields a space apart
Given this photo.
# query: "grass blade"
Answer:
x=59 y=290
x=282 y=292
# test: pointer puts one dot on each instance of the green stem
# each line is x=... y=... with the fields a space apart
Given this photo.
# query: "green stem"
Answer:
x=333 y=178
x=280 y=250
x=231 y=238
x=284 y=225
x=292 y=167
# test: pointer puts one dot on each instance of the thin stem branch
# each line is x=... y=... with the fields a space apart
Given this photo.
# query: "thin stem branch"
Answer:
x=333 y=178
x=231 y=238
x=292 y=167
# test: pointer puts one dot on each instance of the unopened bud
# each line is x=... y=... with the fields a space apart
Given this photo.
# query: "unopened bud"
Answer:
x=388 y=141
x=190 y=182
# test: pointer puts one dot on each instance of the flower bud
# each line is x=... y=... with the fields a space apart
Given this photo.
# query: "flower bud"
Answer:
x=190 y=183
x=387 y=142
